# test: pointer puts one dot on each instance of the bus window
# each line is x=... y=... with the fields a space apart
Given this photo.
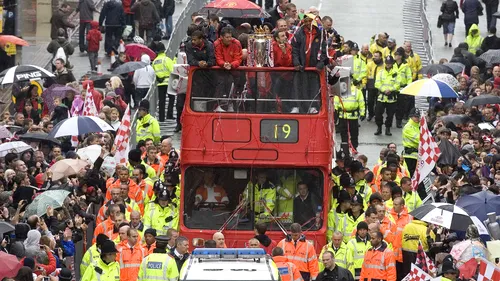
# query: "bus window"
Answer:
x=244 y=91
x=241 y=197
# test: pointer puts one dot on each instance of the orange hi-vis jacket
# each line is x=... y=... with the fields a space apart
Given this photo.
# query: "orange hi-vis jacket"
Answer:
x=378 y=264
x=130 y=260
x=386 y=227
x=288 y=271
x=147 y=191
x=302 y=254
x=134 y=192
x=401 y=220
x=130 y=207
x=148 y=250
x=106 y=227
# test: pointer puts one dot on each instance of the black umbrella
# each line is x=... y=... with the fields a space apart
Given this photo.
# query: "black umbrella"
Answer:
x=434 y=69
x=443 y=214
x=482 y=100
x=5 y=227
x=449 y=154
x=39 y=137
x=491 y=56
x=456 y=66
x=99 y=80
x=130 y=66
x=456 y=119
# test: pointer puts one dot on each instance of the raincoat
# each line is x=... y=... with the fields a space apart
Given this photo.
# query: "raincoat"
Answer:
x=474 y=39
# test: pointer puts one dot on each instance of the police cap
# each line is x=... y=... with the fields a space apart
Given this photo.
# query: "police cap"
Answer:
x=108 y=247
x=346 y=180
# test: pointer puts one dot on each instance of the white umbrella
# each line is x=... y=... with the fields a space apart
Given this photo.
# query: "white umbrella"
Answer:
x=21 y=73
x=67 y=167
x=79 y=125
x=448 y=79
x=443 y=214
x=109 y=165
x=5 y=133
x=13 y=147
x=90 y=152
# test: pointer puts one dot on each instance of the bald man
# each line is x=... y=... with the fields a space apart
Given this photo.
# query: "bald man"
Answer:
x=380 y=44
x=253 y=243
x=219 y=239
x=123 y=233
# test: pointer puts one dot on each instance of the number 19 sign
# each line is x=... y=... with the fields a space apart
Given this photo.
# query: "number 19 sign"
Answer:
x=279 y=131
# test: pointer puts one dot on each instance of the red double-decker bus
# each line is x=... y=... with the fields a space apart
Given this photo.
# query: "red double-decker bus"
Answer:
x=256 y=146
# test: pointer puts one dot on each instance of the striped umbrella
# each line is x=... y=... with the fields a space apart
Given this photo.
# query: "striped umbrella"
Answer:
x=79 y=125
x=21 y=73
x=429 y=88
x=443 y=214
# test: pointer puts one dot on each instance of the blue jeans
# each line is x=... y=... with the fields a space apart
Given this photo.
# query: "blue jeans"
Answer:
x=168 y=26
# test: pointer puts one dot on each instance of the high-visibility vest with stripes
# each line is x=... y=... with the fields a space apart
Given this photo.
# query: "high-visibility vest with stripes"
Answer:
x=379 y=264
x=287 y=270
x=160 y=218
x=333 y=224
x=387 y=80
x=158 y=267
x=130 y=260
x=302 y=254
x=349 y=224
x=340 y=255
x=90 y=257
x=411 y=137
x=102 y=272
x=356 y=249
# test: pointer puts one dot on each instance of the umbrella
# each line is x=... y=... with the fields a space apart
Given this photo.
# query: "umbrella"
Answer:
x=13 y=128
x=429 y=88
x=4 y=39
x=136 y=50
x=67 y=167
x=22 y=73
x=99 y=80
x=449 y=154
x=79 y=125
x=5 y=133
x=434 y=69
x=479 y=204
x=54 y=91
x=448 y=79
x=491 y=56
x=456 y=119
x=13 y=147
x=52 y=198
x=91 y=152
x=482 y=100
x=235 y=9
x=130 y=66
x=10 y=265
x=108 y=166
x=5 y=227
x=443 y=214
x=39 y=137
x=455 y=66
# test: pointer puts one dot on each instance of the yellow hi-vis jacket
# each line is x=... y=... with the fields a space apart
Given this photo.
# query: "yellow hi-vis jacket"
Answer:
x=158 y=267
x=163 y=66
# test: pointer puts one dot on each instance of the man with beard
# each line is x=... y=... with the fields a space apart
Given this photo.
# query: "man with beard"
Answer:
x=380 y=44
x=373 y=67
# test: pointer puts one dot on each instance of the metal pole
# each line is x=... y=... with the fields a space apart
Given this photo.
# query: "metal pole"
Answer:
x=18 y=31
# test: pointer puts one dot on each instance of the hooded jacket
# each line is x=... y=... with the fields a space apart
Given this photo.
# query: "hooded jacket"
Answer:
x=144 y=77
x=266 y=243
x=474 y=39
x=204 y=53
x=64 y=77
x=317 y=49
x=472 y=10
x=59 y=20
x=112 y=14
x=62 y=42
x=86 y=8
x=148 y=14
x=94 y=36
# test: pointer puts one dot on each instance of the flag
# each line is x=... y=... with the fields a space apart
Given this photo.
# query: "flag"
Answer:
x=423 y=261
x=468 y=269
x=122 y=138
x=488 y=271
x=89 y=108
x=416 y=274
x=428 y=154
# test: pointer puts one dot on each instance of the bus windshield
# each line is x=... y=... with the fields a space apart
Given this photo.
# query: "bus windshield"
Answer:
x=249 y=91
x=240 y=197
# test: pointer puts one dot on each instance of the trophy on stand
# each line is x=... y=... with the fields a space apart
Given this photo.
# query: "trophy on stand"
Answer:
x=260 y=48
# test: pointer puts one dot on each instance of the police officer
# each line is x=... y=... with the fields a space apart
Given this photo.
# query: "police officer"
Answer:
x=159 y=265
x=338 y=247
x=387 y=84
x=405 y=78
x=411 y=138
x=106 y=268
x=356 y=249
x=350 y=107
x=161 y=214
x=163 y=66
x=93 y=253
x=147 y=125
x=262 y=194
x=359 y=70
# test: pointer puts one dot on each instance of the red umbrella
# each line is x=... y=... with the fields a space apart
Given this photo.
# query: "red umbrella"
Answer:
x=10 y=265
x=235 y=9
x=4 y=39
x=136 y=50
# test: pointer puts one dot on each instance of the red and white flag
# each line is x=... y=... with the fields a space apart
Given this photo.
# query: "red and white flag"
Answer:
x=417 y=274
x=428 y=154
x=89 y=108
x=488 y=271
x=122 y=138
x=423 y=261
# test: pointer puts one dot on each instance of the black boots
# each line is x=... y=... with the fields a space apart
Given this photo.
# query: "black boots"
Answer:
x=379 y=131
x=388 y=131
x=399 y=124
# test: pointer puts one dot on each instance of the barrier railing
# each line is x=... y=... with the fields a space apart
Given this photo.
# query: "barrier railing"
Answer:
x=427 y=31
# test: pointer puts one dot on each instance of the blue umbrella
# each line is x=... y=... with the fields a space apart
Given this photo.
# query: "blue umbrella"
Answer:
x=479 y=204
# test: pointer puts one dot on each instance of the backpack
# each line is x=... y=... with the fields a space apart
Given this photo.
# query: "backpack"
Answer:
x=60 y=54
